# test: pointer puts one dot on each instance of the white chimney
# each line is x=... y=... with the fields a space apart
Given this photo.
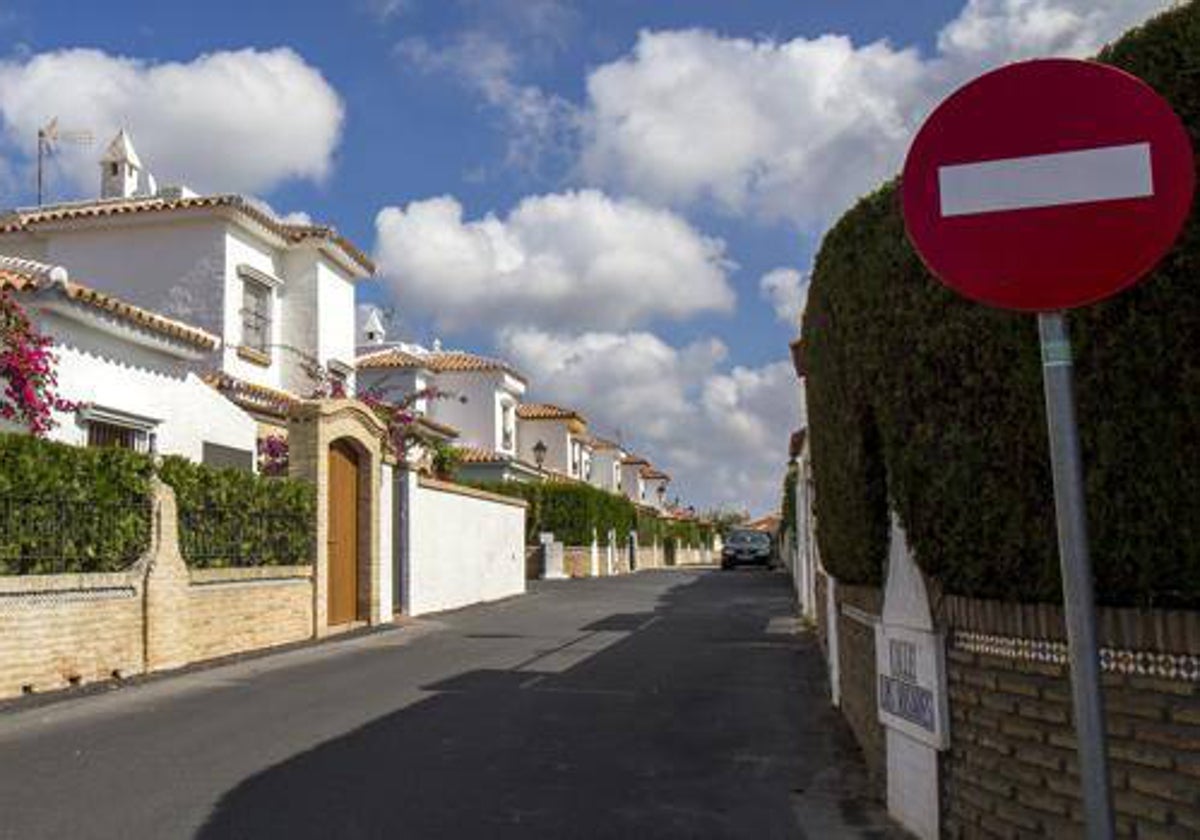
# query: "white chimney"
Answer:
x=373 y=330
x=120 y=168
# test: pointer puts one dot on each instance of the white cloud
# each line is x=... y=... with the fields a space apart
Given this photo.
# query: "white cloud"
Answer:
x=797 y=129
x=241 y=121
x=992 y=31
x=786 y=289
x=539 y=125
x=567 y=260
x=721 y=434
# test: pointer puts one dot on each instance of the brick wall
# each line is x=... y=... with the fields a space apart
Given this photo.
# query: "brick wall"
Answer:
x=1012 y=769
x=577 y=561
x=63 y=630
x=59 y=630
x=821 y=587
x=856 y=670
x=236 y=610
x=535 y=562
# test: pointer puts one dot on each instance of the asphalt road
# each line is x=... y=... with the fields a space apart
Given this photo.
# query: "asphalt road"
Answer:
x=673 y=704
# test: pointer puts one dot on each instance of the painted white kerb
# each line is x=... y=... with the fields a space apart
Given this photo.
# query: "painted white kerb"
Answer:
x=1104 y=174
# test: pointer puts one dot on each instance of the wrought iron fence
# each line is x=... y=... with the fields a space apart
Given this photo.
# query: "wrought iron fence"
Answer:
x=46 y=535
x=218 y=537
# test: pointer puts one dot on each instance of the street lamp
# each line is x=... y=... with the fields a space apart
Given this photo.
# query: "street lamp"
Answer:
x=539 y=453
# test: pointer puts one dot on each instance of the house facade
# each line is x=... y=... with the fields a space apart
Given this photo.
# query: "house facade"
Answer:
x=280 y=296
x=130 y=371
x=478 y=403
x=558 y=437
x=606 y=464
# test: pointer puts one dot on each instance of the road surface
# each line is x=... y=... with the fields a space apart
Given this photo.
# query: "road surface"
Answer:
x=672 y=704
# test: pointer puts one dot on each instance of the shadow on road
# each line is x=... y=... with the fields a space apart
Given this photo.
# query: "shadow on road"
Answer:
x=698 y=719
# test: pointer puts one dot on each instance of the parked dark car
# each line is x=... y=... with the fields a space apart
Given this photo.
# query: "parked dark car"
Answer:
x=747 y=547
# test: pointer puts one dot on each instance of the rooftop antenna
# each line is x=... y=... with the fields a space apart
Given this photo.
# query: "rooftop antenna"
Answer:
x=48 y=138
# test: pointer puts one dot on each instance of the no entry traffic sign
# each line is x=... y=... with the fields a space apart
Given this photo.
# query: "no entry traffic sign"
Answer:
x=1048 y=185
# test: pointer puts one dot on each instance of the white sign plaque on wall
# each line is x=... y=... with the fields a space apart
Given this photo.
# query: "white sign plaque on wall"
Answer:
x=911 y=694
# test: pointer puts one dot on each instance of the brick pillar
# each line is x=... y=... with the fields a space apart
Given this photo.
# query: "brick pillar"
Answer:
x=166 y=586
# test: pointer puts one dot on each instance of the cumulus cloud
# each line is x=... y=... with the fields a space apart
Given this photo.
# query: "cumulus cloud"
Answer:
x=795 y=130
x=992 y=31
x=786 y=289
x=718 y=432
x=568 y=260
x=242 y=121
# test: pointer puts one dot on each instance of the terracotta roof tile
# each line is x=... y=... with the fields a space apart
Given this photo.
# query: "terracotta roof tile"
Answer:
x=453 y=361
x=26 y=219
x=253 y=397
x=28 y=276
x=546 y=411
x=654 y=473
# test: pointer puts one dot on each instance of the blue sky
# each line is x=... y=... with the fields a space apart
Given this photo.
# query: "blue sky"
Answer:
x=716 y=141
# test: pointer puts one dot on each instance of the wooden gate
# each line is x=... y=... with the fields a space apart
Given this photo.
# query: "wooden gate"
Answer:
x=343 y=534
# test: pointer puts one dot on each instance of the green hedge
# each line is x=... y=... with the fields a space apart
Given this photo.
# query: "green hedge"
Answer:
x=76 y=509
x=571 y=511
x=229 y=517
x=67 y=509
x=916 y=394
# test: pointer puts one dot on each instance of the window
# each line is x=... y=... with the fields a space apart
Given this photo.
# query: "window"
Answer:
x=109 y=435
x=256 y=315
x=507 y=430
x=112 y=428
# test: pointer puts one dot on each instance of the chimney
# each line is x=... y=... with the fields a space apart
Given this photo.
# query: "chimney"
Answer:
x=373 y=330
x=121 y=171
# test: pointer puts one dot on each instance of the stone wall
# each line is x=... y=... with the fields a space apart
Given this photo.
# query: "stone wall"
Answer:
x=1012 y=769
x=858 y=608
x=58 y=631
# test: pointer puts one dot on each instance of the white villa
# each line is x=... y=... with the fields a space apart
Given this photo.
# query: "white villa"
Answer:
x=479 y=410
x=279 y=296
x=606 y=464
x=130 y=371
x=557 y=439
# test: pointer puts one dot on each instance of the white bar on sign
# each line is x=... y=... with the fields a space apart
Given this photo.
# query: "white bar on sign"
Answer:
x=1104 y=174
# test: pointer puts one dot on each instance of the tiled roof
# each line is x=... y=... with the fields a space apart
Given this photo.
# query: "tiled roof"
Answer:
x=546 y=411
x=479 y=455
x=252 y=397
x=29 y=276
x=28 y=218
x=633 y=461
x=654 y=474
x=437 y=428
x=452 y=361
x=599 y=444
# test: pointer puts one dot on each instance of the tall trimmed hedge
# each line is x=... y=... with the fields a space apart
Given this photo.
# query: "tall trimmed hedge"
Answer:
x=571 y=511
x=936 y=403
x=230 y=517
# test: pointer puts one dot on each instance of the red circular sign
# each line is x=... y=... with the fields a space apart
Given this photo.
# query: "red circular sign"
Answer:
x=1047 y=185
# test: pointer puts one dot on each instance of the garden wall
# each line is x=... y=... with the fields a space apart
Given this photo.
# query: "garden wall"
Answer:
x=465 y=546
x=62 y=630
x=858 y=609
x=1012 y=768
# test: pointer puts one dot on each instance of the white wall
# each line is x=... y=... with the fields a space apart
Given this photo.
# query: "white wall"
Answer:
x=336 y=323
x=554 y=434
x=243 y=249
x=176 y=269
x=477 y=419
x=462 y=550
x=632 y=483
x=110 y=373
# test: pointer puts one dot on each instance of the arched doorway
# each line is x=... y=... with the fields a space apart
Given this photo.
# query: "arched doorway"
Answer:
x=343 y=533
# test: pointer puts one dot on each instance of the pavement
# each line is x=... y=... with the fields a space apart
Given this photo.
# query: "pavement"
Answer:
x=666 y=704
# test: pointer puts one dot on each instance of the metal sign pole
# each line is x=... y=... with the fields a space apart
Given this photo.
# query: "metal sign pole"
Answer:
x=1058 y=373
